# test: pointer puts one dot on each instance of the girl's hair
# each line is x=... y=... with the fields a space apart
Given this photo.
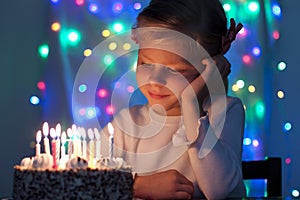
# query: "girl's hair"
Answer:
x=203 y=20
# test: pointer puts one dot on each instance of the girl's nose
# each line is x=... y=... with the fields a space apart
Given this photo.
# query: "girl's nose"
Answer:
x=158 y=75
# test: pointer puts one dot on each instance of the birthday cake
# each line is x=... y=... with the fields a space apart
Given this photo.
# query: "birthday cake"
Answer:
x=73 y=176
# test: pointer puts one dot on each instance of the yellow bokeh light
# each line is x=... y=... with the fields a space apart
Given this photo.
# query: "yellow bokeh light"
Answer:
x=55 y=26
x=105 y=33
x=87 y=52
x=126 y=46
x=280 y=94
x=112 y=46
x=251 y=88
x=235 y=88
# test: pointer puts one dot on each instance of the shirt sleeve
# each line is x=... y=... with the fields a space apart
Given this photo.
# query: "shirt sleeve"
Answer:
x=216 y=157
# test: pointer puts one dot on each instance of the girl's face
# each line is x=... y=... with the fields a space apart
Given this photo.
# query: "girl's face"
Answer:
x=161 y=77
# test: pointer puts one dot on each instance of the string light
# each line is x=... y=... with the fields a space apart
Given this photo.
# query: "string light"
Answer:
x=44 y=51
x=41 y=85
x=280 y=94
x=137 y=6
x=82 y=88
x=105 y=33
x=34 y=100
x=55 y=26
x=102 y=93
x=281 y=66
x=87 y=52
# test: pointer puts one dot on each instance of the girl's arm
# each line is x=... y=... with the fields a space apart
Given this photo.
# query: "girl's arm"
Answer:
x=216 y=157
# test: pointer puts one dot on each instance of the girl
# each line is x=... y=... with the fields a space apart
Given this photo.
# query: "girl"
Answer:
x=186 y=142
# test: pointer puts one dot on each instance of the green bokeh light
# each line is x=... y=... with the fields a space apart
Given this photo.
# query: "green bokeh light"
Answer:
x=43 y=51
x=260 y=109
x=70 y=37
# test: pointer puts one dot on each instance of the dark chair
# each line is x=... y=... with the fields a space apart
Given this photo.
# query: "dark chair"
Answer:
x=269 y=169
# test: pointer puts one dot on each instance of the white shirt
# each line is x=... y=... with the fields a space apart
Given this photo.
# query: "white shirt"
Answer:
x=152 y=143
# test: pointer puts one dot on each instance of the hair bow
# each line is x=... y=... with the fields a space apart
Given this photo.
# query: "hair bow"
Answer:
x=230 y=36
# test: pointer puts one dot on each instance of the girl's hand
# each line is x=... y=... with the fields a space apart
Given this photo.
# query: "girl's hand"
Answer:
x=213 y=76
x=169 y=184
x=213 y=69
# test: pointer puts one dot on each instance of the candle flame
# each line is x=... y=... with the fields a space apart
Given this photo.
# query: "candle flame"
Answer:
x=58 y=129
x=52 y=133
x=63 y=138
x=69 y=133
x=45 y=129
x=90 y=134
x=97 y=134
x=38 y=136
x=82 y=133
x=110 y=128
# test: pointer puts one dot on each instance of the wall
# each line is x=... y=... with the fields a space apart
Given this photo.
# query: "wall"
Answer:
x=22 y=25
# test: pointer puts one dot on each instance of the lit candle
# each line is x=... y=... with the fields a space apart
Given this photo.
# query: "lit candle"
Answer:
x=91 y=147
x=84 y=143
x=53 y=147
x=75 y=140
x=70 y=141
x=38 y=140
x=46 y=140
x=111 y=140
x=78 y=141
x=58 y=134
x=63 y=142
x=98 y=144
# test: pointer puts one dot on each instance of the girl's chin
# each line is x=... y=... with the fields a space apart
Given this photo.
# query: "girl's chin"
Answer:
x=161 y=110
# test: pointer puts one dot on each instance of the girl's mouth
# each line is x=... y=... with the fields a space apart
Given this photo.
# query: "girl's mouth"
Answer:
x=157 y=96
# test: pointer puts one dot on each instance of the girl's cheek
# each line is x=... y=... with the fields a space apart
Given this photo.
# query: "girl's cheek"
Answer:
x=176 y=85
x=142 y=76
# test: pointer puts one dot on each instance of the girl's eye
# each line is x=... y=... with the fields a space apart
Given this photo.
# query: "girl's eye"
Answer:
x=147 y=65
x=174 y=71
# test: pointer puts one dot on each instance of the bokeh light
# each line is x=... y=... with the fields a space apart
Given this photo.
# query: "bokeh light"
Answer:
x=55 y=1
x=43 y=51
x=34 y=100
x=281 y=66
x=55 y=26
x=79 y=2
x=247 y=141
x=82 y=88
x=247 y=59
x=255 y=143
x=295 y=193
x=105 y=33
x=276 y=35
x=260 y=109
x=87 y=52
x=276 y=10
x=137 y=6
x=288 y=161
x=118 y=27
x=108 y=59
x=256 y=51
x=117 y=7
x=94 y=8
x=126 y=46
x=110 y=110
x=112 y=46
x=41 y=85
x=102 y=93
x=280 y=94
x=251 y=88
x=240 y=84
x=287 y=127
